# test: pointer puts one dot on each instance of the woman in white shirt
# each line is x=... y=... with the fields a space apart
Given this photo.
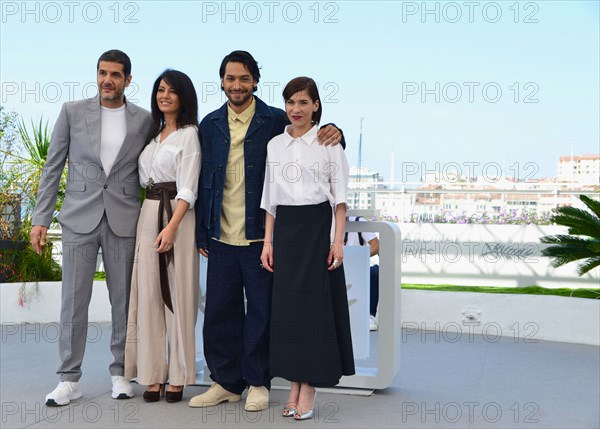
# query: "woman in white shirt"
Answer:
x=164 y=286
x=305 y=189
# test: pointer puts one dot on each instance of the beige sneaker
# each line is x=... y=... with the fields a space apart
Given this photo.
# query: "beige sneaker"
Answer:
x=214 y=396
x=258 y=399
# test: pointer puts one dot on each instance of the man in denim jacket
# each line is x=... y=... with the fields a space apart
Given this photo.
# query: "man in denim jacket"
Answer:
x=230 y=226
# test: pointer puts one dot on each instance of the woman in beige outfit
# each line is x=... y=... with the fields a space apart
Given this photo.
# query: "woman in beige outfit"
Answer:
x=165 y=284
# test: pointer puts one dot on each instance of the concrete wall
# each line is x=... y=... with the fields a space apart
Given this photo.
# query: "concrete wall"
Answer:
x=525 y=318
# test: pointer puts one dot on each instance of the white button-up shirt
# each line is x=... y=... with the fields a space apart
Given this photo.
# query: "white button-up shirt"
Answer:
x=300 y=171
x=176 y=159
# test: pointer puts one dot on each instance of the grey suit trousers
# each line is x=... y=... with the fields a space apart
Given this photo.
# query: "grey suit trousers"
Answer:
x=80 y=252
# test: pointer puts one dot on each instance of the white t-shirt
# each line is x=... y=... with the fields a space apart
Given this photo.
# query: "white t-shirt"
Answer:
x=353 y=239
x=176 y=159
x=112 y=134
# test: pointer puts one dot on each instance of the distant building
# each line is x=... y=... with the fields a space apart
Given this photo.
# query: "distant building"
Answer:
x=364 y=179
x=451 y=194
x=580 y=169
x=396 y=203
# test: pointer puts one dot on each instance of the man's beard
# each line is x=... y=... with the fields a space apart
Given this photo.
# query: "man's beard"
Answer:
x=118 y=96
x=240 y=102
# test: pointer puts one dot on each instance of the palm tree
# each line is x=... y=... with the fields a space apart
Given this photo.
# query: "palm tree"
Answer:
x=583 y=241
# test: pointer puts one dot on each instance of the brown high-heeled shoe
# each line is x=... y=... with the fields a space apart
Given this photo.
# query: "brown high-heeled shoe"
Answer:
x=174 y=395
x=154 y=396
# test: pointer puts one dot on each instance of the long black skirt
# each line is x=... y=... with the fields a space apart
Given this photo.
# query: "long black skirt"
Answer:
x=310 y=323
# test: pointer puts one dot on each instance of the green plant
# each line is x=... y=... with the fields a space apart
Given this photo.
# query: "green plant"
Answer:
x=583 y=241
x=23 y=167
x=23 y=264
x=9 y=254
x=34 y=267
x=9 y=201
x=23 y=155
x=36 y=144
x=8 y=137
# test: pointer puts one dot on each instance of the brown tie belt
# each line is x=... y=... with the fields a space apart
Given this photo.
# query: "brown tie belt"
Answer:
x=164 y=192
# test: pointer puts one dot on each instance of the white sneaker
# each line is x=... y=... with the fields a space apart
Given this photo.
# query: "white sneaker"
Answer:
x=121 y=388
x=65 y=392
x=373 y=323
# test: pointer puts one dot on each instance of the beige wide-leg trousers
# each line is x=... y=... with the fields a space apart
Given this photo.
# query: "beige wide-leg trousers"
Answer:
x=161 y=346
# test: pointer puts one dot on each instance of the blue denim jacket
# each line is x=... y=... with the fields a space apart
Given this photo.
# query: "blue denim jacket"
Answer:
x=266 y=123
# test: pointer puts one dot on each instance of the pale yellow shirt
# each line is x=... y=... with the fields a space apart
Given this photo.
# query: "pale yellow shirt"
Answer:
x=233 y=211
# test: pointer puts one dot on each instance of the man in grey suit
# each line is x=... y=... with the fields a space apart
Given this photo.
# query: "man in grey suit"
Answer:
x=102 y=138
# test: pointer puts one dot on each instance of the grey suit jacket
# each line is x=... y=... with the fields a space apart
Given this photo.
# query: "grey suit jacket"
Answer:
x=90 y=193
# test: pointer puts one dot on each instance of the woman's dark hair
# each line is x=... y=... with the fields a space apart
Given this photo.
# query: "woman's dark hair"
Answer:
x=116 y=56
x=183 y=86
x=304 y=83
x=246 y=59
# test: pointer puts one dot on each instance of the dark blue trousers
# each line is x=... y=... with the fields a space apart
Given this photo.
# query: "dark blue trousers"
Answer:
x=374 y=288
x=236 y=340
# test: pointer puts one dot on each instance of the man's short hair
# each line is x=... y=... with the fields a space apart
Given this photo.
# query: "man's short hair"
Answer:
x=244 y=58
x=116 y=56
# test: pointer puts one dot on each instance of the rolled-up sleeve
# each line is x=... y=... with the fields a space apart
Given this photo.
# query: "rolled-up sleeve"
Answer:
x=268 y=201
x=339 y=172
x=188 y=167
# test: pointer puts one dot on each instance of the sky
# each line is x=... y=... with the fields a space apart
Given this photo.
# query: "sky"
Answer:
x=474 y=87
